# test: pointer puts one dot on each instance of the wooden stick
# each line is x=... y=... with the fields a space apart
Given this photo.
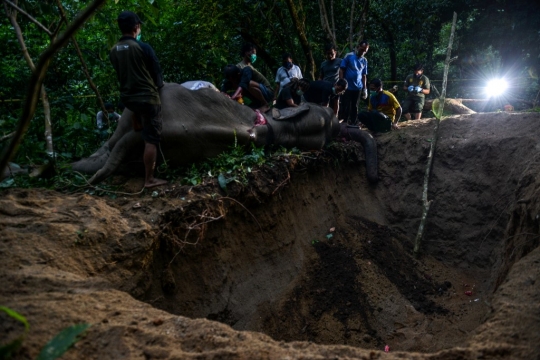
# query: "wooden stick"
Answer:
x=425 y=202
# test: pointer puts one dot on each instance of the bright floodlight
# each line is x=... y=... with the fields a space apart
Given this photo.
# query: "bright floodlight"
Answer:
x=496 y=87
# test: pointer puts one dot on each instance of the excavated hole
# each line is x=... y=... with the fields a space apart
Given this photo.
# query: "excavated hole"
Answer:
x=359 y=285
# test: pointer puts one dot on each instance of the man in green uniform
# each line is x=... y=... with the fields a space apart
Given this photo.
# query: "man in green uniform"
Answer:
x=417 y=85
x=140 y=77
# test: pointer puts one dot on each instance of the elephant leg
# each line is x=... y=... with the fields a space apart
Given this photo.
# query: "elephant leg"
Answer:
x=118 y=154
x=370 y=149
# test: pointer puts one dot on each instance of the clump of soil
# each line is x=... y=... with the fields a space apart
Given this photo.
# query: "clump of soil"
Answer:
x=309 y=252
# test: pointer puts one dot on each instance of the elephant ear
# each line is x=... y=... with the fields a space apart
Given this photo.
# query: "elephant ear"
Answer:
x=289 y=112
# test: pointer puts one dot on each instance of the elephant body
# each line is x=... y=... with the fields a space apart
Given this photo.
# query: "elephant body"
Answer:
x=200 y=124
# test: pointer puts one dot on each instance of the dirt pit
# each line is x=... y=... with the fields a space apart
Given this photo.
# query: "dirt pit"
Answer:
x=307 y=261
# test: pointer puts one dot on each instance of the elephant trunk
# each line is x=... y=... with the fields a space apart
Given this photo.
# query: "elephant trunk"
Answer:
x=370 y=149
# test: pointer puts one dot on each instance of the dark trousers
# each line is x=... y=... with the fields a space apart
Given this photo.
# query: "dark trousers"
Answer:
x=375 y=121
x=348 y=108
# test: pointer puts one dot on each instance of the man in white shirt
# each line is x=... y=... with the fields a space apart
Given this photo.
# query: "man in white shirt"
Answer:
x=285 y=73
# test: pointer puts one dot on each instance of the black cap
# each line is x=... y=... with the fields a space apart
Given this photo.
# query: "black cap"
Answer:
x=128 y=19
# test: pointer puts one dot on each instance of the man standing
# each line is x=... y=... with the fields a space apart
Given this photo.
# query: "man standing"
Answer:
x=353 y=68
x=384 y=110
x=330 y=67
x=329 y=71
x=140 y=77
x=417 y=85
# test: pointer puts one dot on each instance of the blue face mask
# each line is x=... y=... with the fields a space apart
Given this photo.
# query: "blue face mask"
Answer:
x=253 y=58
x=372 y=93
x=299 y=92
x=138 y=36
x=288 y=65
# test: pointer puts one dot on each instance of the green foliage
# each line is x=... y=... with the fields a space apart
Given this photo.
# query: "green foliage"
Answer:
x=8 y=349
x=194 y=39
x=232 y=165
x=62 y=342
x=53 y=349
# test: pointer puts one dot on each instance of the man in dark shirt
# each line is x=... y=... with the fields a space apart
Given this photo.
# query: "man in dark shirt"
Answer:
x=323 y=93
x=242 y=82
x=140 y=77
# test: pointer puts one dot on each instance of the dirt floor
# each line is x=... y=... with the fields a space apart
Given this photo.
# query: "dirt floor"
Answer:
x=309 y=261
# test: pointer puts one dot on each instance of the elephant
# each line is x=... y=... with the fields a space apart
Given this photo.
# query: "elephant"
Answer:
x=200 y=124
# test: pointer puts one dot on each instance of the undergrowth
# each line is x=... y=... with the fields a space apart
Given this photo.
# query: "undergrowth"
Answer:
x=232 y=165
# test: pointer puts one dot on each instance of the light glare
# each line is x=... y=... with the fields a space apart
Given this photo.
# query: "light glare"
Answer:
x=496 y=87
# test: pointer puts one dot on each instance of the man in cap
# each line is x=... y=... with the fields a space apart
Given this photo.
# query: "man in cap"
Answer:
x=140 y=77
x=417 y=86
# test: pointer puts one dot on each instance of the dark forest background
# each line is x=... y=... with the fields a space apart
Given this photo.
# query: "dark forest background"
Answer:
x=195 y=39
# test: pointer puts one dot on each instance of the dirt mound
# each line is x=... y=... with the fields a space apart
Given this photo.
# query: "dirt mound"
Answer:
x=308 y=253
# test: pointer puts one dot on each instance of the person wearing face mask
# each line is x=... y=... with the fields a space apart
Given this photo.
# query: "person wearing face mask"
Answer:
x=353 y=68
x=103 y=121
x=417 y=86
x=325 y=94
x=140 y=77
x=286 y=73
x=384 y=110
x=243 y=83
x=248 y=52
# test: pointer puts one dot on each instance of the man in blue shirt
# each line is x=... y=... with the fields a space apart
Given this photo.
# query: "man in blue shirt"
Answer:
x=353 y=68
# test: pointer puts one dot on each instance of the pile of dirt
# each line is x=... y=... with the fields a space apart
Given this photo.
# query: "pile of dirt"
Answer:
x=309 y=252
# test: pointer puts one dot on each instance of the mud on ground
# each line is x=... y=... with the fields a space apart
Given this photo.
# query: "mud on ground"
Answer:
x=308 y=261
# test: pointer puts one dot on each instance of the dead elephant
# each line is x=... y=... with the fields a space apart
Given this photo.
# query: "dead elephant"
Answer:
x=199 y=124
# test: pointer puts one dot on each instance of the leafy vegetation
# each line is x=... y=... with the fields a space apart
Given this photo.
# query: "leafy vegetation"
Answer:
x=194 y=39
x=54 y=349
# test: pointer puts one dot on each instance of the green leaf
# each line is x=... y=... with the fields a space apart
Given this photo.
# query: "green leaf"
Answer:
x=16 y=316
x=62 y=342
x=222 y=181
x=8 y=349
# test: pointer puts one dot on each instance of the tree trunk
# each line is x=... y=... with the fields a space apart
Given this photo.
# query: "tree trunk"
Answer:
x=455 y=106
x=360 y=24
x=438 y=114
x=300 y=31
x=38 y=75
x=83 y=64
x=12 y=15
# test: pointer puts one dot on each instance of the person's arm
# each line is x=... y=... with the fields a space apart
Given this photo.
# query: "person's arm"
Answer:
x=399 y=111
x=427 y=87
x=335 y=105
x=290 y=103
x=364 y=82
x=152 y=64
x=276 y=92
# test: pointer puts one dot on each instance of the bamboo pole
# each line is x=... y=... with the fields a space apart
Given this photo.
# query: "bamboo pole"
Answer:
x=425 y=202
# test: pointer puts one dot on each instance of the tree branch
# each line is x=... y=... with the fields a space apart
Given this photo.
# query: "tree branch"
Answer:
x=83 y=63
x=40 y=25
x=37 y=77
